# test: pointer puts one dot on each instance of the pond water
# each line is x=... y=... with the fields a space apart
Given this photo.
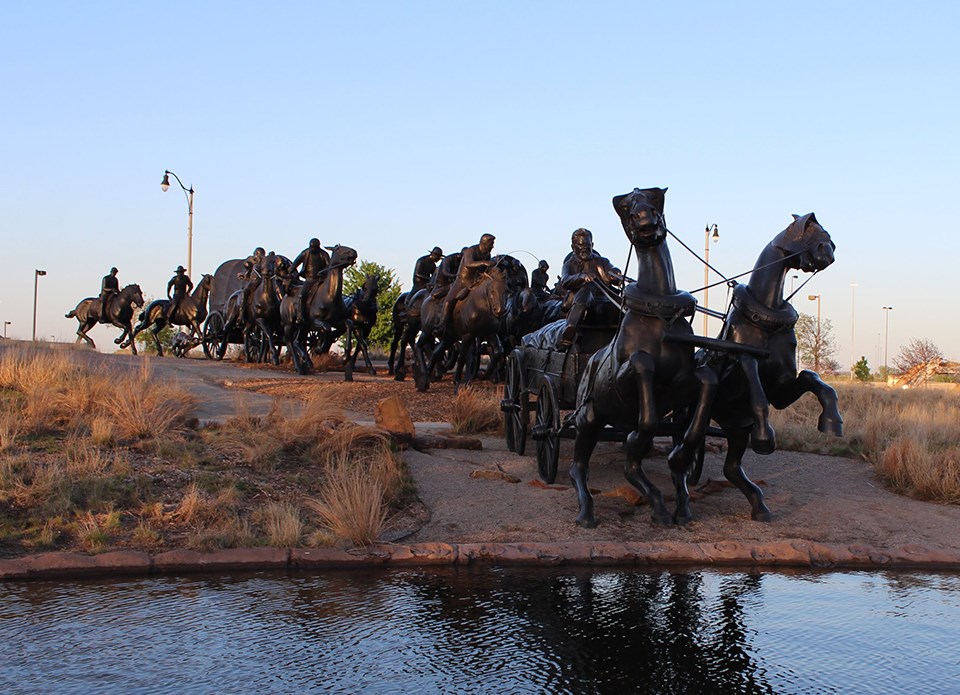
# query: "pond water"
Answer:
x=485 y=630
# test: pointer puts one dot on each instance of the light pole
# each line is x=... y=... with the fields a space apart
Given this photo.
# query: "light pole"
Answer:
x=853 y=324
x=5 y=324
x=816 y=352
x=164 y=186
x=793 y=279
x=706 y=268
x=886 y=334
x=36 y=276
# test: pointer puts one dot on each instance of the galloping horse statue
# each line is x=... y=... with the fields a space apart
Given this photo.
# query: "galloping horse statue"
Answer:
x=324 y=309
x=191 y=312
x=476 y=318
x=119 y=314
x=643 y=375
x=749 y=384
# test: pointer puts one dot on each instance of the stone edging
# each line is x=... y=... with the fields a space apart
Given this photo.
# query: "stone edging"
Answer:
x=794 y=553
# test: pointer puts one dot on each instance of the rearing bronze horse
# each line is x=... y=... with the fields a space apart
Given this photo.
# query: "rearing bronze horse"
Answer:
x=642 y=375
x=119 y=314
x=749 y=384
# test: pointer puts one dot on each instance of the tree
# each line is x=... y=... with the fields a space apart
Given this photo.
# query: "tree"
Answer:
x=861 y=369
x=353 y=279
x=816 y=349
x=917 y=351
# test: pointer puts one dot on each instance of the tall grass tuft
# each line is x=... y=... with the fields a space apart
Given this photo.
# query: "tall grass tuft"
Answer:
x=351 y=504
x=475 y=410
x=282 y=524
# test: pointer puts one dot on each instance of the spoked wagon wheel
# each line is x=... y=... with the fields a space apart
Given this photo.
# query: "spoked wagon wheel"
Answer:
x=515 y=405
x=213 y=330
x=254 y=345
x=548 y=428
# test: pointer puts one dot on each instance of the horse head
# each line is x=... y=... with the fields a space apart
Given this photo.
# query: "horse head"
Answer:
x=370 y=288
x=497 y=290
x=809 y=244
x=132 y=294
x=342 y=256
x=641 y=213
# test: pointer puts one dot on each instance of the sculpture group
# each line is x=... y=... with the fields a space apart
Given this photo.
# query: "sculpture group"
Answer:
x=263 y=302
x=618 y=354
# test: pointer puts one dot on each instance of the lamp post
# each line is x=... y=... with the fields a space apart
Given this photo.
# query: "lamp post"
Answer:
x=36 y=276
x=816 y=352
x=886 y=334
x=793 y=279
x=706 y=267
x=5 y=324
x=164 y=186
x=853 y=324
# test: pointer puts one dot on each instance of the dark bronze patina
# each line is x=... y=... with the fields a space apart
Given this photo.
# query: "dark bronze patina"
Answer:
x=119 y=313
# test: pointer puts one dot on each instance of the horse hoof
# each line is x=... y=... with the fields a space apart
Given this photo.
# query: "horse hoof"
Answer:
x=763 y=442
x=586 y=523
x=682 y=519
x=829 y=425
x=662 y=519
x=764 y=516
x=117 y=341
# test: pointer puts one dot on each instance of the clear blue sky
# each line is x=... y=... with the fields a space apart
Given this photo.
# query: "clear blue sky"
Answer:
x=396 y=126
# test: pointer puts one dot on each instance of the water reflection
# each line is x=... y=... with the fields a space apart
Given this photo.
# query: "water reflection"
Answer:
x=484 y=630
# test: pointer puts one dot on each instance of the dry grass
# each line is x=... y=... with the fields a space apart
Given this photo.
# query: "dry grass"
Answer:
x=282 y=524
x=912 y=437
x=475 y=410
x=82 y=447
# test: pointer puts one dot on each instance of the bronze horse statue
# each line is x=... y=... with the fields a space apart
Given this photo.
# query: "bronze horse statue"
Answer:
x=476 y=319
x=405 y=322
x=191 y=312
x=643 y=375
x=261 y=320
x=760 y=317
x=119 y=313
x=360 y=316
x=325 y=309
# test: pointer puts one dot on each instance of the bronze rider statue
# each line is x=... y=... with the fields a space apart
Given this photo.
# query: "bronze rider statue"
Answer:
x=474 y=260
x=311 y=262
x=181 y=286
x=109 y=286
x=582 y=268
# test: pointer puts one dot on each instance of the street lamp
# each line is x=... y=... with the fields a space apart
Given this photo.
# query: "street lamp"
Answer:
x=706 y=268
x=36 y=276
x=793 y=279
x=165 y=186
x=886 y=333
x=816 y=352
x=5 y=324
x=853 y=324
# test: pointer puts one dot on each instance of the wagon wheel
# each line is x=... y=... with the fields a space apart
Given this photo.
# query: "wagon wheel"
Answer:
x=515 y=405
x=254 y=345
x=548 y=425
x=213 y=331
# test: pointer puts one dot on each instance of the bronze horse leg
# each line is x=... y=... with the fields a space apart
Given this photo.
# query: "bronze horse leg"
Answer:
x=763 y=439
x=682 y=458
x=787 y=392
x=737 y=438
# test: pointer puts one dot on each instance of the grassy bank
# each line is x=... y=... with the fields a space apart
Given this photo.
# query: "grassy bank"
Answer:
x=912 y=437
x=96 y=458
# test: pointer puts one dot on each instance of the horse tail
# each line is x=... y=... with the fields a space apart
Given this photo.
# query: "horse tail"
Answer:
x=72 y=314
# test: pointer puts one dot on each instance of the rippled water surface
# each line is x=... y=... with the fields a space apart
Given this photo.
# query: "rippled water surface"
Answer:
x=485 y=630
